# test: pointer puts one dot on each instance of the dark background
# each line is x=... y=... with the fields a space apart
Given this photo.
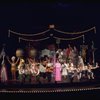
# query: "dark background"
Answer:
x=36 y=17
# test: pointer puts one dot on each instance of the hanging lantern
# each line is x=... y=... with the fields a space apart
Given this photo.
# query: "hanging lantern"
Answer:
x=32 y=53
x=83 y=39
x=19 y=53
x=8 y=33
x=51 y=35
x=58 y=41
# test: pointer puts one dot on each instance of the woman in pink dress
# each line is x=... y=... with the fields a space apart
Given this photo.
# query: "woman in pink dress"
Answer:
x=57 y=71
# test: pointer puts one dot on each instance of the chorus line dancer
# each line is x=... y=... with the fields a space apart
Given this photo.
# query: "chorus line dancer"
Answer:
x=49 y=70
x=71 y=71
x=42 y=69
x=21 y=70
x=90 y=73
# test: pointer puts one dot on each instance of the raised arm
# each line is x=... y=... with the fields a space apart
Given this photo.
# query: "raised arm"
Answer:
x=17 y=61
x=29 y=61
x=8 y=60
x=95 y=67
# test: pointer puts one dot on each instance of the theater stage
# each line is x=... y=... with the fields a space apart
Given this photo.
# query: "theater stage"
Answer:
x=16 y=87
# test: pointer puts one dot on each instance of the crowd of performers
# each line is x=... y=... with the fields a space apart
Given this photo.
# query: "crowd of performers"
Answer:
x=60 y=65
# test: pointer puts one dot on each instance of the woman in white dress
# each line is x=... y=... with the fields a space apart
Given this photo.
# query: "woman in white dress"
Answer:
x=64 y=70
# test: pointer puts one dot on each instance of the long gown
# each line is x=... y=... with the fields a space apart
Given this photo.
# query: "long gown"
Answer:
x=57 y=71
x=3 y=74
x=64 y=69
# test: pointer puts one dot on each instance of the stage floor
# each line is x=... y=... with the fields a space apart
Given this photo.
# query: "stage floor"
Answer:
x=16 y=87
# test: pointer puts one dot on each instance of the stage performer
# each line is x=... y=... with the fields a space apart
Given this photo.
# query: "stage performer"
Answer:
x=27 y=73
x=21 y=67
x=82 y=67
x=4 y=77
x=84 y=52
x=68 y=50
x=3 y=73
x=78 y=73
x=49 y=70
x=80 y=61
x=90 y=73
x=71 y=71
x=57 y=71
x=42 y=69
x=13 y=66
x=34 y=69
x=64 y=66
x=75 y=57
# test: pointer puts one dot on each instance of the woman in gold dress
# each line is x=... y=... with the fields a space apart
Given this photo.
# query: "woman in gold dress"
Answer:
x=13 y=66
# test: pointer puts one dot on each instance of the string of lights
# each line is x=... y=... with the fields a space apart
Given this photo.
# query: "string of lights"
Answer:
x=50 y=27
x=49 y=91
x=69 y=38
x=20 y=34
x=85 y=31
x=20 y=38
